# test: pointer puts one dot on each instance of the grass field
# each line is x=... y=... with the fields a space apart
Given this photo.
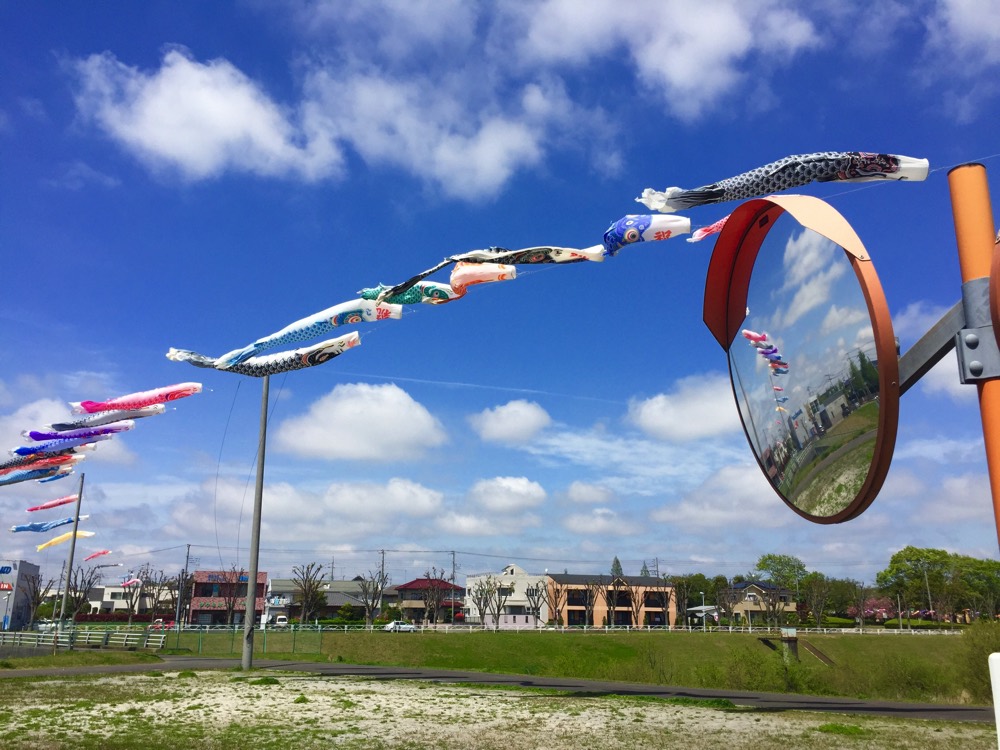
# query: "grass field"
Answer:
x=932 y=668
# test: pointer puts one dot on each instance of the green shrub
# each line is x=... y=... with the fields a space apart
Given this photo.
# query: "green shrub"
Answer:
x=979 y=640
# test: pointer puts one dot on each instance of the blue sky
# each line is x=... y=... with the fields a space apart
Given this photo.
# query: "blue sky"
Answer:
x=199 y=175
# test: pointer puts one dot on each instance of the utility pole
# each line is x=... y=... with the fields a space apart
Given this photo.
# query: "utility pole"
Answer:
x=72 y=551
x=180 y=590
x=249 y=614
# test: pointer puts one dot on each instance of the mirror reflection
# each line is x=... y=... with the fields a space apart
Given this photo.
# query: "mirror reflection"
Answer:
x=805 y=371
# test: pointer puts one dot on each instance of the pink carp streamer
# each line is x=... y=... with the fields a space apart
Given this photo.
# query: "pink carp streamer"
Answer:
x=137 y=400
x=54 y=503
x=97 y=554
x=699 y=234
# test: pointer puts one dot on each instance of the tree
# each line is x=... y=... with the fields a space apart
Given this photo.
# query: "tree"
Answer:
x=681 y=585
x=594 y=590
x=433 y=593
x=81 y=581
x=503 y=591
x=636 y=594
x=482 y=595
x=644 y=571
x=157 y=586
x=134 y=594
x=35 y=592
x=555 y=600
x=783 y=571
x=663 y=597
x=232 y=591
x=727 y=597
x=535 y=595
x=816 y=593
x=613 y=596
x=308 y=582
x=616 y=567
x=372 y=589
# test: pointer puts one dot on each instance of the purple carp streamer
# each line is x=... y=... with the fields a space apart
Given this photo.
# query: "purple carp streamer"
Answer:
x=272 y=364
x=108 y=417
x=54 y=446
x=108 y=429
x=792 y=171
x=325 y=321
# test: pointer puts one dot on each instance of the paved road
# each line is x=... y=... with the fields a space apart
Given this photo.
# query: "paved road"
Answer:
x=763 y=701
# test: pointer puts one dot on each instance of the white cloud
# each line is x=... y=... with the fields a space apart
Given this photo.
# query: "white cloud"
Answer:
x=600 y=522
x=965 y=34
x=468 y=524
x=362 y=423
x=700 y=407
x=513 y=422
x=507 y=494
x=202 y=119
x=735 y=496
x=838 y=317
x=943 y=379
x=583 y=492
x=78 y=175
x=419 y=124
x=958 y=500
x=688 y=57
x=398 y=497
x=914 y=321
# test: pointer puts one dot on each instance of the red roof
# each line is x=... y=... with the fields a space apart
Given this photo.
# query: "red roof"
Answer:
x=422 y=584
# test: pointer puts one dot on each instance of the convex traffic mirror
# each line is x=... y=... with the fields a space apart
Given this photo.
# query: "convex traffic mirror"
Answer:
x=793 y=298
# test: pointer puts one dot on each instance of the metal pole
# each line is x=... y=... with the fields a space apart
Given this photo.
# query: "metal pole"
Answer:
x=72 y=551
x=180 y=595
x=251 y=605
x=974 y=232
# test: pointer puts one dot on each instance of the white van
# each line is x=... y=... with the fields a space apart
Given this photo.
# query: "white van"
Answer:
x=281 y=621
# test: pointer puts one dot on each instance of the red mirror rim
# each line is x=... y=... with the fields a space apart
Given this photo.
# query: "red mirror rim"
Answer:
x=727 y=285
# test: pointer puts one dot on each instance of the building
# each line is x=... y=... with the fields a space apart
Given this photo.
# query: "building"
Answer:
x=754 y=600
x=524 y=601
x=15 y=599
x=219 y=597
x=604 y=600
x=282 y=599
x=430 y=600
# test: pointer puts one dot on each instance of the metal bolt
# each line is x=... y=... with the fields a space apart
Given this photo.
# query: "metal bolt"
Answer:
x=971 y=340
x=976 y=367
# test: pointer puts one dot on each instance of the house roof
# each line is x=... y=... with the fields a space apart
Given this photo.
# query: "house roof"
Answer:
x=225 y=576
x=422 y=584
x=578 y=579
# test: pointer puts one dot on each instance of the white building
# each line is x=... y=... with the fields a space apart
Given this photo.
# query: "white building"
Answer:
x=517 y=612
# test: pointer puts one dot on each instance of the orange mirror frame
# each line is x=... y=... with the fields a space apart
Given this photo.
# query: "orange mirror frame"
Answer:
x=726 y=291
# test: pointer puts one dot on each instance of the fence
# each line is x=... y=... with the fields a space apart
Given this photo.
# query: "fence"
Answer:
x=68 y=639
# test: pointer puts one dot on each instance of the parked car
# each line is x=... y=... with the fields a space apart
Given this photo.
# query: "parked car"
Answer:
x=281 y=621
x=399 y=626
x=161 y=624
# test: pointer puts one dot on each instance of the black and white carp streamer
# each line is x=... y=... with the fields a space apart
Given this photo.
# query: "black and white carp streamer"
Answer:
x=790 y=172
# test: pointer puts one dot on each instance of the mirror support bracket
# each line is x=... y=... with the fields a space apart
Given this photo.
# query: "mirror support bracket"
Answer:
x=978 y=354
x=931 y=347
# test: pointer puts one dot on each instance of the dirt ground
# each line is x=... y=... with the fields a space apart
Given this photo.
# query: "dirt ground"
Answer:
x=323 y=711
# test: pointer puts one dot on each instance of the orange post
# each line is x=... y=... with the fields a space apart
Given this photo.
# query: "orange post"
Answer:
x=970 y=206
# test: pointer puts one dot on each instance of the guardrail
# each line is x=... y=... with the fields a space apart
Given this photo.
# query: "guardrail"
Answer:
x=69 y=639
